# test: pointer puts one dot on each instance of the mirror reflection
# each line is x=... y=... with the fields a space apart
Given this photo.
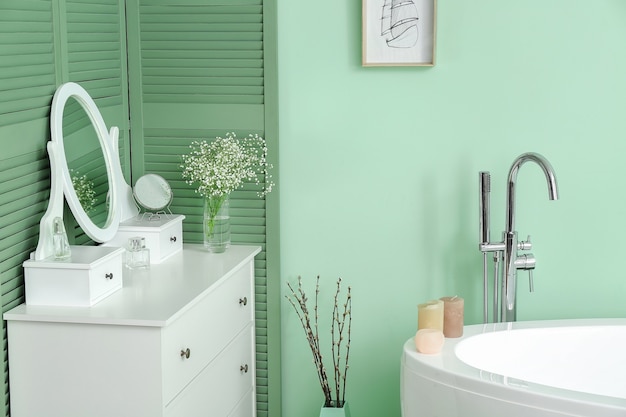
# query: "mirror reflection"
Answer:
x=85 y=160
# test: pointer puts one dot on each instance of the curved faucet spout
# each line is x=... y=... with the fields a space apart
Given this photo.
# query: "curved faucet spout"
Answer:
x=511 y=262
x=553 y=192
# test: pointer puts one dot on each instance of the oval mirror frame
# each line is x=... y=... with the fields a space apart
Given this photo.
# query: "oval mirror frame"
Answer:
x=153 y=192
x=85 y=161
x=63 y=93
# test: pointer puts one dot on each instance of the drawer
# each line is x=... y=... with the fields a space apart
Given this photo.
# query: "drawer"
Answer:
x=170 y=241
x=105 y=279
x=197 y=337
x=163 y=235
x=223 y=386
x=246 y=407
x=90 y=275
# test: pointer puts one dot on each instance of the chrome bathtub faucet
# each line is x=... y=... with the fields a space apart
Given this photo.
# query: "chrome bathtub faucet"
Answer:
x=506 y=251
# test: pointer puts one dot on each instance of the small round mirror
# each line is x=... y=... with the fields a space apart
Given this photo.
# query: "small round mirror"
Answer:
x=153 y=192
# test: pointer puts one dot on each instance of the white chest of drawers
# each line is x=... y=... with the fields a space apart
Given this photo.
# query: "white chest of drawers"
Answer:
x=176 y=341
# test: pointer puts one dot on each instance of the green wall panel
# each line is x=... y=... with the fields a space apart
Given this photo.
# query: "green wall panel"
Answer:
x=43 y=44
x=26 y=82
x=27 y=63
x=198 y=69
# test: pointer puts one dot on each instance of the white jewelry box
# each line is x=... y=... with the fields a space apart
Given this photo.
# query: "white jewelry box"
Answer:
x=91 y=274
x=163 y=234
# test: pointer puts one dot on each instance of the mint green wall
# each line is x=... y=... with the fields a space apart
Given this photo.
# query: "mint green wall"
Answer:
x=379 y=171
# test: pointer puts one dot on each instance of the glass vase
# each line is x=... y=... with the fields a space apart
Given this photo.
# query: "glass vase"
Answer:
x=216 y=224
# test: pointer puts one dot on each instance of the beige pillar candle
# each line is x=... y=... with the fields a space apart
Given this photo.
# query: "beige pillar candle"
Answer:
x=430 y=315
x=429 y=341
x=453 y=316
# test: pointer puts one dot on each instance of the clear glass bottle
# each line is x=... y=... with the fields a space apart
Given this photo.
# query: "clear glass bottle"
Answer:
x=59 y=240
x=137 y=255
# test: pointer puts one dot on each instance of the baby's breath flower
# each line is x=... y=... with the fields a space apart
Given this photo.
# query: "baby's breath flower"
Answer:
x=220 y=167
x=84 y=190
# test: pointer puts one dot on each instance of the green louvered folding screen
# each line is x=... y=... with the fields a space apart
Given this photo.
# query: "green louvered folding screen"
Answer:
x=95 y=51
x=27 y=81
x=44 y=43
x=197 y=71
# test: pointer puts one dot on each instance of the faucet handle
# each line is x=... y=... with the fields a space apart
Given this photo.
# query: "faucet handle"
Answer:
x=527 y=262
x=525 y=244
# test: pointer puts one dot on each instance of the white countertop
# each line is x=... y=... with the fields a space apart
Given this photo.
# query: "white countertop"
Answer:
x=151 y=297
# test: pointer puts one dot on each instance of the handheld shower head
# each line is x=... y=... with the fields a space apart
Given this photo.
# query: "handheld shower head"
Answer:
x=485 y=190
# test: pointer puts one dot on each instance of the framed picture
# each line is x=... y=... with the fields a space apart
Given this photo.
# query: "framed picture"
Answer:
x=399 y=32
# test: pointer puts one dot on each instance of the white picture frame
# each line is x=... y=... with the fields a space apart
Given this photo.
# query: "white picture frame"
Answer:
x=399 y=32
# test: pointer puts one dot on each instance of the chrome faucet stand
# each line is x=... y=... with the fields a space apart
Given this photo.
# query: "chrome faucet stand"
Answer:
x=505 y=252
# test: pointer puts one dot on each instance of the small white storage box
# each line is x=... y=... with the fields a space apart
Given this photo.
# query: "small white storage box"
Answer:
x=163 y=234
x=91 y=274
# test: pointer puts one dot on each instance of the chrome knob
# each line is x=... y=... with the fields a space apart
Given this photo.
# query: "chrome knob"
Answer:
x=527 y=262
x=525 y=244
x=185 y=353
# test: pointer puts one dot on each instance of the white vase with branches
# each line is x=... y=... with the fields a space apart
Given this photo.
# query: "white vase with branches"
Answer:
x=333 y=383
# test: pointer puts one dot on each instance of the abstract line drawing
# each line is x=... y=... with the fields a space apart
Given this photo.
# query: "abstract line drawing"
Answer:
x=399 y=32
x=399 y=23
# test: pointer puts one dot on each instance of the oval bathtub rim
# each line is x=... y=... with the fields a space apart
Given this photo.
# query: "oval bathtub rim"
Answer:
x=446 y=368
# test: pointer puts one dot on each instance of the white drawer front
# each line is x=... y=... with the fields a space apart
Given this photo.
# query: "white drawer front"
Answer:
x=105 y=279
x=75 y=287
x=222 y=387
x=246 y=406
x=171 y=241
x=164 y=236
x=192 y=341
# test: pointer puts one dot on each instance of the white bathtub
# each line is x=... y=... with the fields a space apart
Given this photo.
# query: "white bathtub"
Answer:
x=522 y=369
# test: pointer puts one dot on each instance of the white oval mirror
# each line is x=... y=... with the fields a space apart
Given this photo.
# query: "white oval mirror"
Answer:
x=85 y=160
x=105 y=231
x=153 y=192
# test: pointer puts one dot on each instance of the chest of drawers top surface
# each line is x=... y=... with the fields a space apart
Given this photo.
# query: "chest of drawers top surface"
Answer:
x=155 y=296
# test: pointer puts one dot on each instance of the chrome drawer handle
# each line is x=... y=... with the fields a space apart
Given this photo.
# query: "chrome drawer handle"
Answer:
x=108 y=276
x=173 y=239
x=243 y=369
x=243 y=301
x=185 y=354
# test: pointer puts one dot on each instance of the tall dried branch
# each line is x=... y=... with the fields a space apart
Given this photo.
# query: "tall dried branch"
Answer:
x=299 y=300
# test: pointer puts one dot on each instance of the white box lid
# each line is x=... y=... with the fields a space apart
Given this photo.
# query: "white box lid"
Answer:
x=83 y=257
x=142 y=223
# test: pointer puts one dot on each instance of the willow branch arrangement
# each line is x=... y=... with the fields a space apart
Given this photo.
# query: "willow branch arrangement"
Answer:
x=340 y=337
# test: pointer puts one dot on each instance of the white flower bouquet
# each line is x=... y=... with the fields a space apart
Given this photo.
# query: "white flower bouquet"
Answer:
x=219 y=167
